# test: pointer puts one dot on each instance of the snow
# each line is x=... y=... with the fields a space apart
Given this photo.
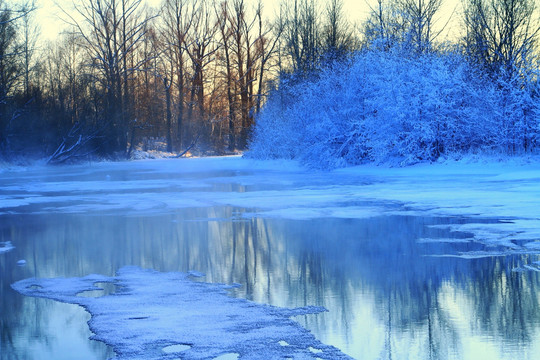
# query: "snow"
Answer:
x=157 y=315
x=390 y=106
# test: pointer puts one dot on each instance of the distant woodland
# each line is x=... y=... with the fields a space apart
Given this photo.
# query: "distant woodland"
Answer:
x=221 y=77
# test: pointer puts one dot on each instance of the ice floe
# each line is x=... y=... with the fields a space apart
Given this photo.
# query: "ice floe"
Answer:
x=154 y=315
x=6 y=246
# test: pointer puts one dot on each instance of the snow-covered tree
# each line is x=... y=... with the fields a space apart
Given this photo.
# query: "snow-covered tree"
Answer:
x=386 y=106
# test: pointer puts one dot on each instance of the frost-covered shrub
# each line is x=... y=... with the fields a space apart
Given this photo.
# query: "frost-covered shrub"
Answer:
x=519 y=114
x=385 y=107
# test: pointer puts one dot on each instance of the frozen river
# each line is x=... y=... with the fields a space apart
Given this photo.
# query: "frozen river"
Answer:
x=407 y=267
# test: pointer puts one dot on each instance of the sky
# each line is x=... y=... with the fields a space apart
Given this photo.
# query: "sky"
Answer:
x=47 y=15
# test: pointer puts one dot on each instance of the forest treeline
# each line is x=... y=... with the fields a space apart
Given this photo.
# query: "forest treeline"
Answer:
x=204 y=75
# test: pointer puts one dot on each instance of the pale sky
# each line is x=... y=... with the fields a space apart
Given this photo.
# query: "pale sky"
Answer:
x=357 y=10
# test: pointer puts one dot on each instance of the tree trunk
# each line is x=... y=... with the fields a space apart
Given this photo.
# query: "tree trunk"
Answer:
x=167 y=87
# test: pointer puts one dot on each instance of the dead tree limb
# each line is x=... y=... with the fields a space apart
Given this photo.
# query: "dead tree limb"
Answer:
x=193 y=143
x=74 y=146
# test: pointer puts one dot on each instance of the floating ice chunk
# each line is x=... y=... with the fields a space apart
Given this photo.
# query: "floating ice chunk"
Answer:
x=534 y=245
x=443 y=240
x=535 y=266
x=21 y=262
x=155 y=311
x=196 y=273
x=229 y=356
x=6 y=246
x=171 y=349
x=532 y=267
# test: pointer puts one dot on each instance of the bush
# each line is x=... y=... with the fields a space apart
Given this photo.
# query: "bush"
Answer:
x=385 y=107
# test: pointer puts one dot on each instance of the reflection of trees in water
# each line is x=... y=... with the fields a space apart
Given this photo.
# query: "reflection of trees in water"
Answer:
x=505 y=301
x=23 y=319
x=382 y=254
x=7 y=268
x=325 y=262
x=15 y=309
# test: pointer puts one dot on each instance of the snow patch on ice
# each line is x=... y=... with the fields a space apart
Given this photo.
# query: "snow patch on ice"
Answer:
x=156 y=312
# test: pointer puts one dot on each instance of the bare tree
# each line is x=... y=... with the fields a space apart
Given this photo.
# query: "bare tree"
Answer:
x=159 y=71
x=177 y=18
x=248 y=46
x=65 y=81
x=11 y=72
x=337 y=36
x=419 y=17
x=501 y=34
x=226 y=31
x=200 y=46
x=72 y=101
x=30 y=32
x=242 y=36
x=407 y=23
x=384 y=27
x=112 y=30
x=302 y=35
x=148 y=85
x=267 y=46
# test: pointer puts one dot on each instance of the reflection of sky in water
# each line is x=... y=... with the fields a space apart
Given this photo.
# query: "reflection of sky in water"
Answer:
x=387 y=296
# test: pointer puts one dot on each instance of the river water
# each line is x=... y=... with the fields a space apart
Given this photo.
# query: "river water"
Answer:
x=393 y=285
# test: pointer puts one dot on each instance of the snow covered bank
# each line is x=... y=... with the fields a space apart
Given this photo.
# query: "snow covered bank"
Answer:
x=167 y=315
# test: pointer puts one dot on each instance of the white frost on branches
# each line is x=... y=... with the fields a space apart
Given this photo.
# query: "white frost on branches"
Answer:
x=385 y=107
